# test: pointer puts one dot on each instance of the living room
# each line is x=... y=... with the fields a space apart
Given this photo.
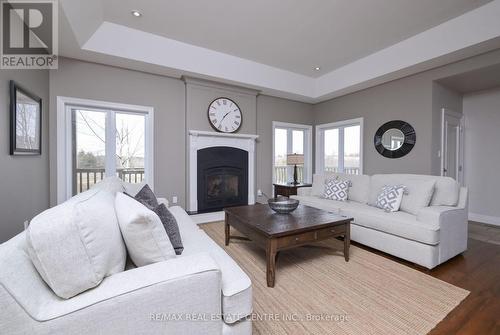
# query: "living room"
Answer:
x=205 y=113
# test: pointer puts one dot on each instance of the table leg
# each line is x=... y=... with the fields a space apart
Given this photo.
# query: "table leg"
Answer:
x=227 y=229
x=271 y=262
x=347 y=242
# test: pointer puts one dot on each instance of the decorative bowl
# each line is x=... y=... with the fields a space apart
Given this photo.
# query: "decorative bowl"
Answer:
x=283 y=205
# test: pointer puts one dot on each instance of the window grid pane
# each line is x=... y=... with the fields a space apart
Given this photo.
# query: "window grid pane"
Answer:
x=130 y=146
x=352 y=147
x=331 y=150
x=89 y=148
x=280 y=152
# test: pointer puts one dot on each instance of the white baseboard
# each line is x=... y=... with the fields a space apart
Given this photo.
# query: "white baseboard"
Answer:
x=493 y=220
x=207 y=217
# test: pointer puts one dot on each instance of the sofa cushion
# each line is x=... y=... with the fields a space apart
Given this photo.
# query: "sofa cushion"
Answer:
x=76 y=244
x=318 y=184
x=358 y=191
x=446 y=190
x=110 y=184
x=236 y=285
x=145 y=237
x=399 y=223
x=324 y=204
x=418 y=195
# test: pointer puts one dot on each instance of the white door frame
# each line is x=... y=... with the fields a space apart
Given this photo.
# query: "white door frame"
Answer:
x=460 y=142
x=64 y=135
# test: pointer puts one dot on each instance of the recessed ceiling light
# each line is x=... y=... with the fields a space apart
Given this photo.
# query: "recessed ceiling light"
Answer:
x=136 y=13
x=317 y=68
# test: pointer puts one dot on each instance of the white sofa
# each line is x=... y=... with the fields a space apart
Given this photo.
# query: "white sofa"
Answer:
x=203 y=291
x=428 y=237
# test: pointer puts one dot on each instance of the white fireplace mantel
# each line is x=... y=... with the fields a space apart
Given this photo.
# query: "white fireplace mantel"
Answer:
x=206 y=139
x=200 y=133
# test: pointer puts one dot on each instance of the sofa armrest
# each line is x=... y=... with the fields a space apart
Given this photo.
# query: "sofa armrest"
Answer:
x=195 y=273
x=177 y=296
x=163 y=201
x=453 y=228
x=304 y=191
x=435 y=214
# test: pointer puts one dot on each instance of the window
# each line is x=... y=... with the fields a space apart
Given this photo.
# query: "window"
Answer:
x=100 y=140
x=339 y=147
x=291 y=138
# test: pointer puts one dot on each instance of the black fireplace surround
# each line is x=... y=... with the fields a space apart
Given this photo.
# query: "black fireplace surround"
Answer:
x=222 y=178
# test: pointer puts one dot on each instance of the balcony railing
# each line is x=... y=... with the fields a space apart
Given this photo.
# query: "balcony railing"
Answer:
x=86 y=178
x=280 y=172
x=347 y=170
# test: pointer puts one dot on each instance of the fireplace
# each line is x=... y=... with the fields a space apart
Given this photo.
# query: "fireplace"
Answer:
x=222 y=178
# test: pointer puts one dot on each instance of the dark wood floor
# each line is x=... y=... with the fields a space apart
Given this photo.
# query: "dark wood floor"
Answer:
x=478 y=271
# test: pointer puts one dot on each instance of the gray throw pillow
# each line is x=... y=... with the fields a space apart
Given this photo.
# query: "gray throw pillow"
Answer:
x=171 y=227
x=146 y=197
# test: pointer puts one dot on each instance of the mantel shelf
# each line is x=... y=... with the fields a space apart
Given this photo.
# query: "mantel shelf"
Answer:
x=214 y=134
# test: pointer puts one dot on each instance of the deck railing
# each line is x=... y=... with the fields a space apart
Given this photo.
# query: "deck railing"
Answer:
x=86 y=178
x=347 y=170
x=280 y=172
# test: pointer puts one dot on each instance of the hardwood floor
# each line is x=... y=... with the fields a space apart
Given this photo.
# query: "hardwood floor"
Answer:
x=484 y=232
x=476 y=270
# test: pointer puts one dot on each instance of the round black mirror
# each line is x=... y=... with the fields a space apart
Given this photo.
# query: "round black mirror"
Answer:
x=395 y=139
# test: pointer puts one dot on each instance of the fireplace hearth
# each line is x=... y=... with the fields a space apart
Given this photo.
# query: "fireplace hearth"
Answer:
x=222 y=178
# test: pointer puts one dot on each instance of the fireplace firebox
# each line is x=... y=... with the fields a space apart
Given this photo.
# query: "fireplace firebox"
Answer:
x=222 y=178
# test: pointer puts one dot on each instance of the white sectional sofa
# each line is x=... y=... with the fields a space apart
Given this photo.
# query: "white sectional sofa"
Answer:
x=203 y=291
x=428 y=236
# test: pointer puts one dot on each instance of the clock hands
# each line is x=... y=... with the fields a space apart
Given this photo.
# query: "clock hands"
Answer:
x=225 y=116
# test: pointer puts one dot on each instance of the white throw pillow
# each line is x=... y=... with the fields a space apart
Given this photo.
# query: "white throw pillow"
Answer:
x=145 y=237
x=336 y=189
x=110 y=184
x=76 y=244
x=390 y=197
x=419 y=195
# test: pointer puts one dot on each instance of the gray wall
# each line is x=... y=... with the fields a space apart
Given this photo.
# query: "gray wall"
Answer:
x=415 y=99
x=199 y=95
x=180 y=105
x=271 y=109
x=482 y=159
x=24 y=188
x=99 y=82
x=407 y=99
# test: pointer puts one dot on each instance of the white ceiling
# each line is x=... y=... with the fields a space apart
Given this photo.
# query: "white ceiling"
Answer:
x=294 y=35
x=476 y=80
x=274 y=45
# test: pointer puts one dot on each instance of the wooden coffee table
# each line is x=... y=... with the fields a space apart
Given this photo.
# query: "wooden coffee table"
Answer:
x=275 y=232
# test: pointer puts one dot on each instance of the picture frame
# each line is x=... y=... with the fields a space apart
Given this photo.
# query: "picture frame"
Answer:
x=25 y=121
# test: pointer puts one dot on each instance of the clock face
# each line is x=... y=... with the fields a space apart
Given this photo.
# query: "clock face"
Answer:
x=224 y=115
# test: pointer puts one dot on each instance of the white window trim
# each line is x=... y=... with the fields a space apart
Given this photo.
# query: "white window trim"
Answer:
x=64 y=147
x=307 y=147
x=320 y=144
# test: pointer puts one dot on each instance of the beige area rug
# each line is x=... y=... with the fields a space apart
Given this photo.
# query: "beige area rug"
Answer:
x=317 y=292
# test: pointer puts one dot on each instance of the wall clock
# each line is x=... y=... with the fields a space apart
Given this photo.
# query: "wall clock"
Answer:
x=224 y=115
